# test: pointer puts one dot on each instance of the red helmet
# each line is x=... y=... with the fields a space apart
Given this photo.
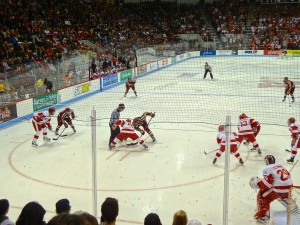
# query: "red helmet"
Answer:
x=291 y=120
x=68 y=110
x=51 y=111
x=221 y=128
x=243 y=116
x=269 y=159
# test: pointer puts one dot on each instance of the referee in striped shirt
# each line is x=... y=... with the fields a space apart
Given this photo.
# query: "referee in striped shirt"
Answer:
x=115 y=115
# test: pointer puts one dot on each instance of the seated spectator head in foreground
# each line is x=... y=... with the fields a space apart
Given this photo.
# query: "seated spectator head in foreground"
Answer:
x=152 y=219
x=109 y=210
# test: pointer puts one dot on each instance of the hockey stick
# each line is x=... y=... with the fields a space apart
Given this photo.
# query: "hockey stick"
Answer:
x=206 y=153
x=288 y=150
x=294 y=165
x=134 y=143
x=60 y=135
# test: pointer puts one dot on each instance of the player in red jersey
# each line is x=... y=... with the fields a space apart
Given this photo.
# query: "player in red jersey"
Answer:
x=275 y=184
x=64 y=118
x=141 y=121
x=246 y=131
x=294 y=128
x=127 y=131
x=221 y=140
x=256 y=128
x=130 y=84
x=289 y=88
x=41 y=123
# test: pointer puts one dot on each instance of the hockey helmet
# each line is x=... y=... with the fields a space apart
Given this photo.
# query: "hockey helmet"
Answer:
x=68 y=110
x=243 y=116
x=128 y=120
x=285 y=79
x=221 y=128
x=291 y=120
x=269 y=159
x=121 y=106
x=51 y=110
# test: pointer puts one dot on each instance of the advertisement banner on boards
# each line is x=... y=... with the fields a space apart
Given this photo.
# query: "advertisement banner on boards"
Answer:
x=46 y=100
x=8 y=112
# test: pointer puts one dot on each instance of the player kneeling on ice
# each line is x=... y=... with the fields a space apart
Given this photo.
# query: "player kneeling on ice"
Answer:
x=294 y=128
x=221 y=140
x=127 y=131
x=141 y=121
x=246 y=131
x=41 y=123
x=64 y=118
x=275 y=184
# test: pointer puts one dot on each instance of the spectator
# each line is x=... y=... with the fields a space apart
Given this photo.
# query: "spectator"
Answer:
x=2 y=87
x=4 y=207
x=32 y=213
x=90 y=218
x=109 y=211
x=68 y=219
x=152 y=219
x=180 y=218
x=92 y=69
x=48 y=84
x=63 y=206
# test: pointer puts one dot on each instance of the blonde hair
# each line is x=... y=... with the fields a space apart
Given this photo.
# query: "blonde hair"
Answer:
x=180 y=218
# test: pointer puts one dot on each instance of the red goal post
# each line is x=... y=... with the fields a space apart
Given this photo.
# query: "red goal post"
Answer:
x=293 y=213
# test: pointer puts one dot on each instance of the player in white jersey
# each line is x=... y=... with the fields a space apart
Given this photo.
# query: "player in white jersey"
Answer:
x=127 y=131
x=41 y=123
x=294 y=128
x=246 y=132
x=275 y=184
x=221 y=140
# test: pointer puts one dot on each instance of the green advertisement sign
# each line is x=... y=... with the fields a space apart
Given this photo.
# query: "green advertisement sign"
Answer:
x=174 y=59
x=45 y=101
x=126 y=74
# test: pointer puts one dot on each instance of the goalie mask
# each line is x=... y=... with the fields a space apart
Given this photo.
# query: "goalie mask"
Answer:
x=269 y=159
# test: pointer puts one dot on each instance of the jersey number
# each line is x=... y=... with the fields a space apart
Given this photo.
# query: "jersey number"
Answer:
x=284 y=174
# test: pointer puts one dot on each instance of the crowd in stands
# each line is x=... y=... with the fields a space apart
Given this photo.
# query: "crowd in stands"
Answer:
x=276 y=26
x=33 y=214
x=229 y=20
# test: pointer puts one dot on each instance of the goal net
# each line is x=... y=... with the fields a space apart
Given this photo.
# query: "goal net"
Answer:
x=293 y=213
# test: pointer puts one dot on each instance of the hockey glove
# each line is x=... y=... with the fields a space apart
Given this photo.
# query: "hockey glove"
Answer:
x=113 y=127
x=142 y=132
x=66 y=125
x=153 y=115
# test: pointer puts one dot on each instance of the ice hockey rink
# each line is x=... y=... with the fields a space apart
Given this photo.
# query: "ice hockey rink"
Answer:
x=174 y=173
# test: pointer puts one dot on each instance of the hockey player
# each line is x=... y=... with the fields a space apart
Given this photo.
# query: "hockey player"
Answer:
x=207 y=69
x=289 y=88
x=294 y=128
x=141 y=121
x=256 y=128
x=245 y=129
x=127 y=131
x=275 y=184
x=115 y=115
x=221 y=140
x=130 y=84
x=64 y=118
x=41 y=123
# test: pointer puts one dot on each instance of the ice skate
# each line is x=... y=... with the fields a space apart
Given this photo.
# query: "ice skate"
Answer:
x=291 y=160
x=215 y=160
x=74 y=129
x=56 y=133
x=259 y=151
x=153 y=139
x=241 y=161
x=46 y=138
x=145 y=146
x=263 y=220
x=34 y=144
x=111 y=147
